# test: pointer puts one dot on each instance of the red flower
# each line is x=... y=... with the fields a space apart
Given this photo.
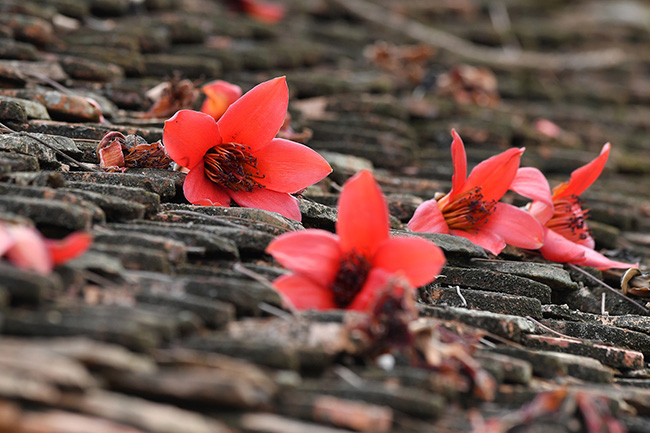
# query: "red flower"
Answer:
x=237 y=158
x=566 y=235
x=348 y=269
x=265 y=12
x=26 y=248
x=471 y=209
x=219 y=96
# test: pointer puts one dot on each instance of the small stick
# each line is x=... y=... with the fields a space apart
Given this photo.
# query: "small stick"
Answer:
x=608 y=287
x=602 y=304
x=460 y=295
x=552 y=331
x=57 y=151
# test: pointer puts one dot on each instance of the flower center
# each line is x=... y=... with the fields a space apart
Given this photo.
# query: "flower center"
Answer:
x=353 y=271
x=469 y=210
x=233 y=166
x=569 y=219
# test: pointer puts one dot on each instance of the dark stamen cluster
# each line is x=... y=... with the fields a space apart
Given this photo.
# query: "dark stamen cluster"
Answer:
x=352 y=274
x=469 y=210
x=233 y=166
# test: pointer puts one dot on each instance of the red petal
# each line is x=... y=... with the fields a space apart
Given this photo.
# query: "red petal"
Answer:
x=29 y=251
x=598 y=261
x=6 y=240
x=516 y=226
x=365 y=300
x=289 y=166
x=362 y=223
x=557 y=248
x=219 y=96
x=419 y=260
x=483 y=238
x=583 y=177
x=68 y=248
x=428 y=219
x=531 y=183
x=255 y=118
x=459 y=161
x=111 y=155
x=266 y=199
x=269 y=13
x=200 y=190
x=188 y=135
x=304 y=294
x=495 y=175
x=312 y=253
x=542 y=212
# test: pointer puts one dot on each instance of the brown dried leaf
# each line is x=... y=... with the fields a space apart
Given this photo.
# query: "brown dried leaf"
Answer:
x=169 y=97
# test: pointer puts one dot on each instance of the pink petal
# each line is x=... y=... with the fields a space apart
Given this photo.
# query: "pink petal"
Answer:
x=289 y=166
x=266 y=199
x=29 y=251
x=531 y=183
x=314 y=254
x=584 y=176
x=417 y=259
x=255 y=118
x=559 y=249
x=516 y=226
x=188 y=135
x=483 y=238
x=495 y=175
x=200 y=190
x=598 y=261
x=428 y=219
x=362 y=223
x=219 y=96
x=6 y=239
x=304 y=294
x=459 y=161
x=365 y=300
x=541 y=211
x=68 y=248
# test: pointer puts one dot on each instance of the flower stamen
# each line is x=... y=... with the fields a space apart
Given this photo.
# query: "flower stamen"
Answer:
x=233 y=166
x=569 y=219
x=353 y=271
x=469 y=210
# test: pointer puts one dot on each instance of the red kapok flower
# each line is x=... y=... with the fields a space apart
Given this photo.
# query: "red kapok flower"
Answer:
x=265 y=12
x=219 y=95
x=26 y=248
x=472 y=209
x=566 y=235
x=346 y=270
x=237 y=158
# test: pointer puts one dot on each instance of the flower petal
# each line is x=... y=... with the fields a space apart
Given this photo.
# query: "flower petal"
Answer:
x=559 y=249
x=255 y=118
x=598 y=261
x=188 y=135
x=68 y=248
x=269 y=13
x=428 y=219
x=29 y=251
x=289 y=166
x=304 y=294
x=266 y=199
x=459 y=161
x=200 y=190
x=495 y=175
x=6 y=239
x=483 y=238
x=219 y=96
x=583 y=177
x=365 y=300
x=541 y=211
x=362 y=223
x=531 y=183
x=312 y=253
x=419 y=260
x=516 y=226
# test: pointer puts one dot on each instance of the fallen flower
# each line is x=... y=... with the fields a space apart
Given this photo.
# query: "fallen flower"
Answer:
x=472 y=209
x=26 y=248
x=116 y=153
x=269 y=13
x=348 y=269
x=237 y=158
x=566 y=236
x=170 y=96
x=219 y=95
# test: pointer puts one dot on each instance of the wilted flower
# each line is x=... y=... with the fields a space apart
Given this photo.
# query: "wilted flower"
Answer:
x=472 y=208
x=219 y=95
x=347 y=270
